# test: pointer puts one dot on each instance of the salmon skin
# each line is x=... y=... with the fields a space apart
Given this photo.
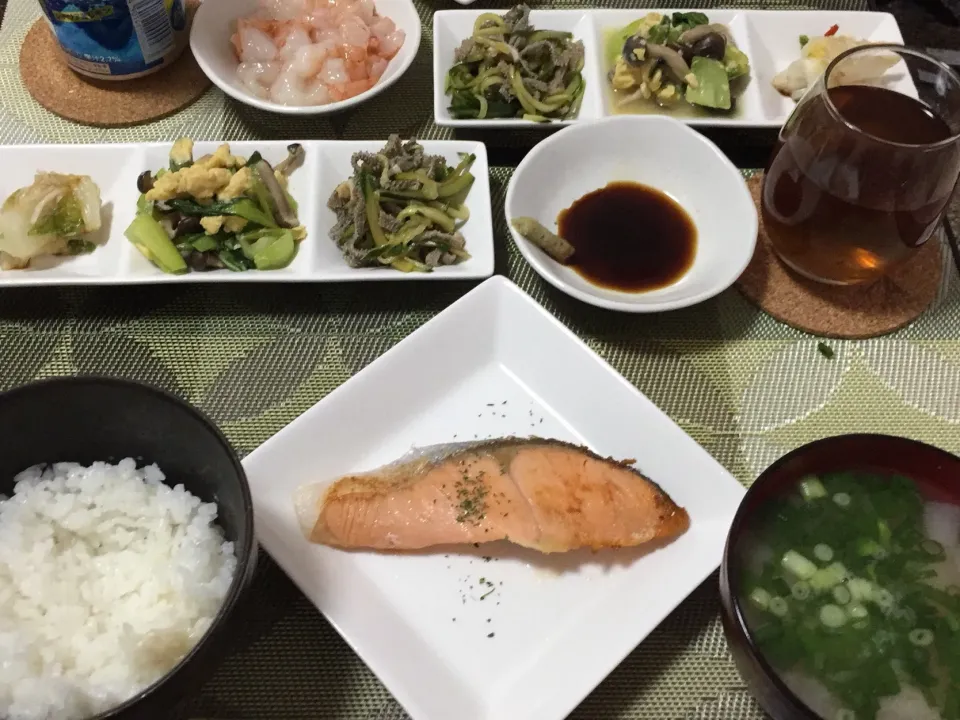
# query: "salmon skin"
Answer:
x=542 y=494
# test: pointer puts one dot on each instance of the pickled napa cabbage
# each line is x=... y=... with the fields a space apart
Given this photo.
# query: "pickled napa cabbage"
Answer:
x=49 y=217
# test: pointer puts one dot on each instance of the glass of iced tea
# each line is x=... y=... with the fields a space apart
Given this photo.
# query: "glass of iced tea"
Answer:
x=865 y=166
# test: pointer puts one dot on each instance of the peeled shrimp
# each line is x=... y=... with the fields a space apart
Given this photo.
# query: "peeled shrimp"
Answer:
x=313 y=52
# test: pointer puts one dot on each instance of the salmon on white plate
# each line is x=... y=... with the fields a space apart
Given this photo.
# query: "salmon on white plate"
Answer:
x=545 y=495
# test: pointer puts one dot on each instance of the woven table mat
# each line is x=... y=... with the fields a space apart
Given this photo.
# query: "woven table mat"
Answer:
x=744 y=386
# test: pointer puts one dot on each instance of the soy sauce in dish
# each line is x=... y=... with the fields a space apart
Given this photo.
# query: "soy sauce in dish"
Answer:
x=629 y=237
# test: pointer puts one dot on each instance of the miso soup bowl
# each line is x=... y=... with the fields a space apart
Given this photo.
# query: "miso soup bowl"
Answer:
x=928 y=465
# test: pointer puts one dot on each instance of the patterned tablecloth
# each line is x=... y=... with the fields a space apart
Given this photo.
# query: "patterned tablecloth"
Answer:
x=743 y=385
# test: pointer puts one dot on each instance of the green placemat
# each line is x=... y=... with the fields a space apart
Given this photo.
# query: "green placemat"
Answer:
x=743 y=385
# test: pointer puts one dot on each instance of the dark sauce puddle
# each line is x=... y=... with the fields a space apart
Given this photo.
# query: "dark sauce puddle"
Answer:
x=629 y=237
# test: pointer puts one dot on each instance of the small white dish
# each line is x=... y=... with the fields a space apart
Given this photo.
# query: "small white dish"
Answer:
x=771 y=40
x=499 y=364
x=657 y=151
x=115 y=169
x=452 y=27
x=215 y=23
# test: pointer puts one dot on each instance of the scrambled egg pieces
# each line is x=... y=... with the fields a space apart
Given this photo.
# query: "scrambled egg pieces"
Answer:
x=625 y=77
x=221 y=174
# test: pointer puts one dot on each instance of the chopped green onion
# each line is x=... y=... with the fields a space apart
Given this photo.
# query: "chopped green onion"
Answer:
x=811 y=488
x=823 y=580
x=921 y=637
x=842 y=499
x=884 y=531
x=829 y=576
x=778 y=606
x=883 y=598
x=857 y=611
x=760 y=598
x=841 y=594
x=839 y=571
x=843 y=713
x=932 y=547
x=860 y=589
x=823 y=553
x=832 y=616
x=800 y=590
x=905 y=615
x=798 y=565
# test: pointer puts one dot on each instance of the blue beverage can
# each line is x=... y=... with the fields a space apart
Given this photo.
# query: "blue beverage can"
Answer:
x=118 y=39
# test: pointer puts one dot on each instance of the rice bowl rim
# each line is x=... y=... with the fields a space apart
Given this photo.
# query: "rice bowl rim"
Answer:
x=733 y=620
x=246 y=556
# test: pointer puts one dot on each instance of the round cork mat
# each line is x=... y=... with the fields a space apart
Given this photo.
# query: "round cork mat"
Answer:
x=855 y=311
x=60 y=90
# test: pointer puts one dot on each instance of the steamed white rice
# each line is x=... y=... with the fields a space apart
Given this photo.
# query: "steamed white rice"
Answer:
x=107 y=578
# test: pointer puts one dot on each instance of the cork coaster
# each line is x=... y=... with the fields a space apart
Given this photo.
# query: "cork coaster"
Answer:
x=54 y=85
x=841 y=312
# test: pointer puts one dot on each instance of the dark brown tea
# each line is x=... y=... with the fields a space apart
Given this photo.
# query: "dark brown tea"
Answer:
x=629 y=237
x=847 y=198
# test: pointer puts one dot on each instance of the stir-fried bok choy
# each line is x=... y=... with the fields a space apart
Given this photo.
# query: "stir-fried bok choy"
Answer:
x=507 y=69
x=402 y=208
x=219 y=211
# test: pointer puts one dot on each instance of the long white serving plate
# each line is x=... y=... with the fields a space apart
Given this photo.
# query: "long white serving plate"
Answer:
x=770 y=38
x=115 y=169
x=493 y=632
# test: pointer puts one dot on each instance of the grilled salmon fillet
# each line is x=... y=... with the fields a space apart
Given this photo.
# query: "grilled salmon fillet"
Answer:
x=542 y=494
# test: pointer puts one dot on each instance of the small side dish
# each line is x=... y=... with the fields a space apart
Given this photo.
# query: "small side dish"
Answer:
x=541 y=494
x=670 y=61
x=509 y=69
x=297 y=53
x=402 y=209
x=53 y=216
x=108 y=577
x=817 y=53
x=219 y=211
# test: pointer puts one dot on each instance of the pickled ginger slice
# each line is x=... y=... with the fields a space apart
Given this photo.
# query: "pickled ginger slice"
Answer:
x=50 y=217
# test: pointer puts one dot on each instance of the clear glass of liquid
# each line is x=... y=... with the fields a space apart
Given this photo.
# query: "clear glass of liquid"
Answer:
x=865 y=166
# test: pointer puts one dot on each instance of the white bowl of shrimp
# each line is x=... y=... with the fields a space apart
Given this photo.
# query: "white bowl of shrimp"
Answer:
x=305 y=57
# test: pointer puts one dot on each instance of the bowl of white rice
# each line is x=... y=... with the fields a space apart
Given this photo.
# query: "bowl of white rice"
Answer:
x=126 y=541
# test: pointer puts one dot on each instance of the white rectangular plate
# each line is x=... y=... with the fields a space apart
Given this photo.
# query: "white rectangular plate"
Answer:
x=550 y=627
x=770 y=38
x=115 y=169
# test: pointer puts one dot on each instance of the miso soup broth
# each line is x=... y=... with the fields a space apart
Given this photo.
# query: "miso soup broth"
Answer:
x=852 y=594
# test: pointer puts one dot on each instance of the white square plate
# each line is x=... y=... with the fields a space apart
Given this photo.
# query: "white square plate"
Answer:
x=493 y=632
x=771 y=40
x=115 y=169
